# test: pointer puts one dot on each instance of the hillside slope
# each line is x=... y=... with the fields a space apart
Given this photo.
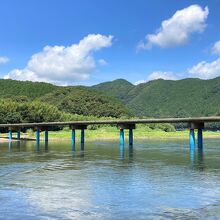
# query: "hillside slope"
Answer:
x=11 y=88
x=85 y=101
x=158 y=98
x=167 y=98
x=73 y=99
x=118 y=88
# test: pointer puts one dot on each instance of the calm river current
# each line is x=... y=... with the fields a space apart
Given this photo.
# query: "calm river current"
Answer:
x=154 y=180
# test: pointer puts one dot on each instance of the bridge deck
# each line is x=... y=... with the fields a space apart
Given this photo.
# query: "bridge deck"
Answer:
x=114 y=122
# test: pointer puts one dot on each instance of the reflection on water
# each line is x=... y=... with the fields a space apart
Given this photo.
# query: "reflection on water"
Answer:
x=102 y=180
x=122 y=151
x=197 y=159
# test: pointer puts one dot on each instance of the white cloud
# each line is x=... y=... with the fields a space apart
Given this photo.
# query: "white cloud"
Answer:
x=140 y=81
x=162 y=75
x=102 y=62
x=59 y=64
x=178 y=29
x=216 y=48
x=206 y=70
x=159 y=75
x=4 y=60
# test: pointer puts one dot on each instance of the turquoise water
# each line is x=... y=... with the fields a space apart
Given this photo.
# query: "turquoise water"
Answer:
x=154 y=180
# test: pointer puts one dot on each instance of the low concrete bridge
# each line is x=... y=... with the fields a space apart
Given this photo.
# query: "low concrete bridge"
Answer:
x=193 y=123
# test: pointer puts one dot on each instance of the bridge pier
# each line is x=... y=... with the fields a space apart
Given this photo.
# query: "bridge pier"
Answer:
x=130 y=137
x=130 y=127
x=82 y=138
x=10 y=134
x=46 y=135
x=192 y=127
x=18 y=135
x=37 y=136
x=122 y=137
x=192 y=139
x=73 y=139
x=200 y=138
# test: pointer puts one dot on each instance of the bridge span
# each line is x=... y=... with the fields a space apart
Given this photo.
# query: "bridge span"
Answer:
x=193 y=123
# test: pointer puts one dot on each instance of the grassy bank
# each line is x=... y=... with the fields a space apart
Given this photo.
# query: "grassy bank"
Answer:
x=112 y=133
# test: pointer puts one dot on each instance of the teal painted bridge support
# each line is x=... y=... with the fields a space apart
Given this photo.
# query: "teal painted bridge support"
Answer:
x=18 y=135
x=131 y=137
x=122 y=138
x=200 y=138
x=37 y=144
x=10 y=135
x=192 y=127
x=73 y=139
x=128 y=127
x=122 y=142
x=46 y=136
x=192 y=139
x=37 y=136
x=82 y=136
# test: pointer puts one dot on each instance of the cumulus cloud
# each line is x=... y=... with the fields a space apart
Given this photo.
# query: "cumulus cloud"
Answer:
x=177 y=30
x=216 y=48
x=159 y=75
x=102 y=62
x=140 y=81
x=206 y=70
x=162 y=75
x=59 y=64
x=4 y=60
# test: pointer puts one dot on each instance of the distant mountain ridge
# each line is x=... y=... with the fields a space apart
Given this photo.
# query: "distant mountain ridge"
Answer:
x=118 y=88
x=167 y=98
x=79 y=100
x=158 y=98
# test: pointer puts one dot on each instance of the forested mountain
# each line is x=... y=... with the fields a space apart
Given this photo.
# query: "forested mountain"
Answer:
x=37 y=102
x=85 y=101
x=118 y=88
x=167 y=98
x=12 y=88
x=158 y=98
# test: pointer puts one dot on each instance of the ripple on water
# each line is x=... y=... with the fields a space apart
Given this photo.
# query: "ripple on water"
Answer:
x=154 y=180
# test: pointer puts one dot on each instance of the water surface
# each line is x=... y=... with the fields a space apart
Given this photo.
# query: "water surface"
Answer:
x=152 y=180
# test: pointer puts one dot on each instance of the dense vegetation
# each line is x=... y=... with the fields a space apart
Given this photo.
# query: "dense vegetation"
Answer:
x=34 y=111
x=85 y=101
x=75 y=100
x=43 y=102
x=27 y=89
x=119 y=89
x=158 y=98
x=15 y=112
x=167 y=98
x=36 y=102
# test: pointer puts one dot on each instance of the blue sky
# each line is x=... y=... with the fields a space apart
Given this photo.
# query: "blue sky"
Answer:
x=40 y=40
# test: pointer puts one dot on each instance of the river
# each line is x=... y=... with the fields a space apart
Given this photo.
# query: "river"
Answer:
x=153 y=180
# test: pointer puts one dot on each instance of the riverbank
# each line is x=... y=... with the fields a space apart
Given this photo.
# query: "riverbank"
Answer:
x=111 y=133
